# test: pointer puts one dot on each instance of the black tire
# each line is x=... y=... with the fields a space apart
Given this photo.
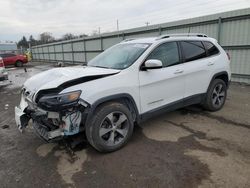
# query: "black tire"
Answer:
x=107 y=117
x=19 y=64
x=216 y=95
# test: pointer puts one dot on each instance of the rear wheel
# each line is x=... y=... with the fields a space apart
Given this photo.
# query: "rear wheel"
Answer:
x=110 y=128
x=216 y=95
x=19 y=64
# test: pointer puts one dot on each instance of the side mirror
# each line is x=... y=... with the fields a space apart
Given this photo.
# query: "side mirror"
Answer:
x=152 y=64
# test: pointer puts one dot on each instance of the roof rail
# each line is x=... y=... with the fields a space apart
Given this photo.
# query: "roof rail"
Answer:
x=182 y=35
x=126 y=40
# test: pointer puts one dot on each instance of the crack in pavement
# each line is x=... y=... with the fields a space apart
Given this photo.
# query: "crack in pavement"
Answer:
x=224 y=120
x=215 y=117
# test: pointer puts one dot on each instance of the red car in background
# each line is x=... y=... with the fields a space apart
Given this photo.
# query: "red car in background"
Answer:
x=13 y=59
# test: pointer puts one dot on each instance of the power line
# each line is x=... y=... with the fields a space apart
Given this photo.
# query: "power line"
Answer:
x=171 y=16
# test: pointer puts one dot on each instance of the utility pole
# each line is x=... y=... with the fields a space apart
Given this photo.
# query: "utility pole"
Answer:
x=117 y=25
x=147 y=23
x=99 y=30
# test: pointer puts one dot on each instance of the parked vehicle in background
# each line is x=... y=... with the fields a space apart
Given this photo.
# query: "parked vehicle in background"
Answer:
x=13 y=59
x=125 y=85
x=3 y=74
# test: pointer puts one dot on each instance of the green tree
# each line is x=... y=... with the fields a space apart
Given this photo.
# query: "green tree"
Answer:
x=32 y=41
x=83 y=35
x=68 y=36
x=46 y=37
x=23 y=43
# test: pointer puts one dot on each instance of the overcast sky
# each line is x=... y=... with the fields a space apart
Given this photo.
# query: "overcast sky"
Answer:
x=26 y=17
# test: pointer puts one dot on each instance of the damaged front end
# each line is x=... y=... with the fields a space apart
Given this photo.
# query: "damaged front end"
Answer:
x=54 y=115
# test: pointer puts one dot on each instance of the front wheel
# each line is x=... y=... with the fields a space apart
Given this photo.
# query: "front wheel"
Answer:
x=216 y=95
x=110 y=127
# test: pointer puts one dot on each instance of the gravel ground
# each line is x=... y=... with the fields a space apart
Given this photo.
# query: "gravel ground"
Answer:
x=184 y=148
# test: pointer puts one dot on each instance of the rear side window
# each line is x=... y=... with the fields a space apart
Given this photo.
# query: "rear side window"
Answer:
x=167 y=53
x=211 y=48
x=193 y=50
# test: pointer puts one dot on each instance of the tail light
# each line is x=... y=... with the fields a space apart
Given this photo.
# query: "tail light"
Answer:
x=1 y=63
x=228 y=56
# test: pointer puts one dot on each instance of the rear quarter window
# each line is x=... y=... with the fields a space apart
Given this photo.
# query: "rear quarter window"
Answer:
x=211 y=48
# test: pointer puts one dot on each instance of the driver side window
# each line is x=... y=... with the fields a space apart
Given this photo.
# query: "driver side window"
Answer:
x=167 y=53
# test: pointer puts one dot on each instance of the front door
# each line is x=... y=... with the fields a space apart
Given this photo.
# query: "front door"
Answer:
x=160 y=87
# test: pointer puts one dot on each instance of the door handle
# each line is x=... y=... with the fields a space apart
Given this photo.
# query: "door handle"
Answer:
x=210 y=64
x=178 y=71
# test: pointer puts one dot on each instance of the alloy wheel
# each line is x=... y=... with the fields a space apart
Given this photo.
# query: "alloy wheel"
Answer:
x=114 y=128
x=218 y=95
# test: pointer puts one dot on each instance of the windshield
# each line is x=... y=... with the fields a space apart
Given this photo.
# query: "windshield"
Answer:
x=120 y=56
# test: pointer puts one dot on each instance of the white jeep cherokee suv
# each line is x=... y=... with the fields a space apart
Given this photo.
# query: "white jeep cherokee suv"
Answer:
x=124 y=85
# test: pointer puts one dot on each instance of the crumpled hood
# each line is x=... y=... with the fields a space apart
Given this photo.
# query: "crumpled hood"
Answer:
x=58 y=76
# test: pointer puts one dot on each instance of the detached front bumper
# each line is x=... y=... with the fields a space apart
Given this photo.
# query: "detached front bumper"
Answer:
x=20 y=116
x=48 y=125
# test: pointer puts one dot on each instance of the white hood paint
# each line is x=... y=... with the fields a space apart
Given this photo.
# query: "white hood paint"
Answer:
x=57 y=76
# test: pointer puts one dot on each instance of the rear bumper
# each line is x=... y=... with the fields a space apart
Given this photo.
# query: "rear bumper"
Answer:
x=3 y=75
x=4 y=80
x=25 y=60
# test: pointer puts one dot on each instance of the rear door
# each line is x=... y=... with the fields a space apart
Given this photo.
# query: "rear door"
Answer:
x=196 y=67
x=160 y=87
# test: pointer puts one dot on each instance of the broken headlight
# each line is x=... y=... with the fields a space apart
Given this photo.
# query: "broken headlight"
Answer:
x=59 y=102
